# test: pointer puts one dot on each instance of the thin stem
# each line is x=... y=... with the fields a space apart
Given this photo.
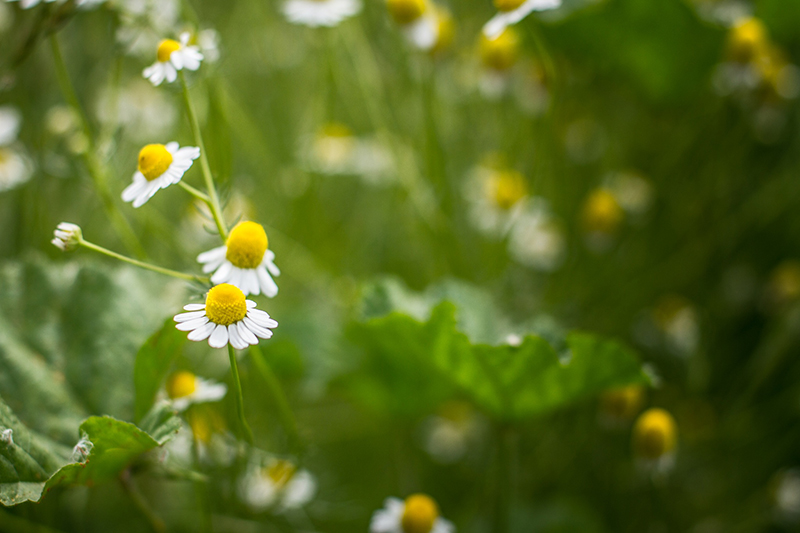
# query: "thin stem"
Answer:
x=140 y=502
x=200 y=195
x=284 y=411
x=248 y=433
x=216 y=210
x=95 y=168
x=142 y=264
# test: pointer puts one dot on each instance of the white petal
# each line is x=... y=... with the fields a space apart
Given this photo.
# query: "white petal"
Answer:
x=172 y=147
x=146 y=194
x=192 y=324
x=244 y=332
x=262 y=318
x=257 y=330
x=223 y=274
x=134 y=189
x=170 y=73
x=194 y=307
x=212 y=255
x=268 y=285
x=218 y=339
x=235 y=339
x=202 y=332
x=183 y=317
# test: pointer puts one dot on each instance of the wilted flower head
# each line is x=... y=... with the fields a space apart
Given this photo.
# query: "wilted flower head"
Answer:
x=419 y=513
x=67 y=236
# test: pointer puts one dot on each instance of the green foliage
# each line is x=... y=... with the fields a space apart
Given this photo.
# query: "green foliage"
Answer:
x=153 y=361
x=411 y=364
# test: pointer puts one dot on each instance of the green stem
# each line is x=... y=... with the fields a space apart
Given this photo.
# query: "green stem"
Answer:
x=140 y=502
x=279 y=397
x=216 y=210
x=248 y=433
x=142 y=264
x=95 y=168
x=200 y=195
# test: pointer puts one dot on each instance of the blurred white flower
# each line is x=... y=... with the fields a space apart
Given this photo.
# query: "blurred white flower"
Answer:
x=496 y=196
x=450 y=434
x=173 y=56
x=536 y=239
x=633 y=192
x=334 y=150
x=10 y=123
x=512 y=11
x=315 y=13
x=206 y=439
x=184 y=389
x=144 y=22
x=787 y=496
x=276 y=484
x=417 y=514
x=418 y=20
x=245 y=261
x=27 y=4
x=15 y=167
x=142 y=110
x=159 y=167
x=208 y=41
x=677 y=320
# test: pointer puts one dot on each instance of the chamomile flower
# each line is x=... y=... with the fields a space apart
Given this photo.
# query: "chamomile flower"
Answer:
x=244 y=261
x=67 y=236
x=226 y=317
x=418 y=20
x=315 y=13
x=15 y=166
x=10 y=123
x=173 y=56
x=602 y=218
x=279 y=485
x=417 y=514
x=185 y=389
x=620 y=405
x=498 y=56
x=536 y=239
x=655 y=438
x=497 y=196
x=160 y=165
x=512 y=11
x=27 y=4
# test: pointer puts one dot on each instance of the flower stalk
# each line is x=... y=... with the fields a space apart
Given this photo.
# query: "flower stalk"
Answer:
x=237 y=384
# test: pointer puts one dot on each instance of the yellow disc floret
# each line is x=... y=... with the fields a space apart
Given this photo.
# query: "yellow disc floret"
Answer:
x=623 y=403
x=507 y=188
x=405 y=11
x=154 y=160
x=420 y=514
x=181 y=384
x=747 y=40
x=500 y=53
x=225 y=304
x=246 y=245
x=655 y=434
x=508 y=5
x=165 y=49
x=602 y=213
x=447 y=31
x=280 y=472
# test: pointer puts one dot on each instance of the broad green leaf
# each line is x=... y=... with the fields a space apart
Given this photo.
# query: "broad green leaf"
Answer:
x=115 y=446
x=153 y=362
x=509 y=382
x=26 y=461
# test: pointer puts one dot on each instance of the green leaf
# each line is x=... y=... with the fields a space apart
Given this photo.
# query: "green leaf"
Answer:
x=26 y=461
x=415 y=358
x=115 y=446
x=153 y=362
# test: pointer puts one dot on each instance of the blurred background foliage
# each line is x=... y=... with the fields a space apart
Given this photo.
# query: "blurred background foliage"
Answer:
x=698 y=272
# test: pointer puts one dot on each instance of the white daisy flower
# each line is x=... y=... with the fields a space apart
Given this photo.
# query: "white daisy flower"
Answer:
x=10 y=122
x=418 y=20
x=27 y=4
x=159 y=167
x=226 y=317
x=279 y=485
x=315 y=13
x=537 y=239
x=173 y=56
x=498 y=57
x=67 y=236
x=244 y=261
x=15 y=168
x=185 y=389
x=497 y=197
x=512 y=11
x=417 y=514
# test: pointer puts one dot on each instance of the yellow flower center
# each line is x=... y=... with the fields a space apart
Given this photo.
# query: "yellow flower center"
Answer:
x=166 y=48
x=747 y=39
x=500 y=53
x=154 y=160
x=405 y=11
x=447 y=31
x=181 y=384
x=420 y=513
x=246 y=245
x=280 y=472
x=623 y=403
x=602 y=213
x=508 y=5
x=507 y=188
x=205 y=421
x=225 y=304
x=654 y=434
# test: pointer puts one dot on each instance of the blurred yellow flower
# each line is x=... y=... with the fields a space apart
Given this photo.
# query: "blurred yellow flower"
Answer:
x=602 y=212
x=655 y=434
